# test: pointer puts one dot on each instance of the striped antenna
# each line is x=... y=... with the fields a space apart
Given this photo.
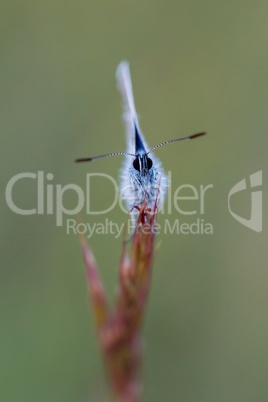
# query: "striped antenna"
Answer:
x=103 y=156
x=190 y=137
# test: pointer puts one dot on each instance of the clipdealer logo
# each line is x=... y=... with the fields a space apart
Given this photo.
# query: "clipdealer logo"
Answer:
x=255 y=220
x=46 y=192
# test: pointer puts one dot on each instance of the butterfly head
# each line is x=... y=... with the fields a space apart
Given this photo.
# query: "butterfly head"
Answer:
x=142 y=163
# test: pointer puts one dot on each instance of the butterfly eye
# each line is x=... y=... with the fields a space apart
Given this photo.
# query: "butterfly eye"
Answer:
x=149 y=163
x=136 y=164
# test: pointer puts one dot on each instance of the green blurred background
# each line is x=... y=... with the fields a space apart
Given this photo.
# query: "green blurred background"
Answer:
x=196 y=65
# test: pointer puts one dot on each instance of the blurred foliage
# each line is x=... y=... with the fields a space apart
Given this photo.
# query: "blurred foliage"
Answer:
x=195 y=66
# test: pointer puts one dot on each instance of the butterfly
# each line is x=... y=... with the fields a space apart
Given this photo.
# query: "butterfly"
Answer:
x=143 y=180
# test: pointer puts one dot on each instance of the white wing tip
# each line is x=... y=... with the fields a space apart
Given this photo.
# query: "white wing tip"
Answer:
x=122 y=69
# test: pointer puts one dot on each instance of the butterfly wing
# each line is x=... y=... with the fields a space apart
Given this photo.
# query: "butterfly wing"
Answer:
x=130 y=116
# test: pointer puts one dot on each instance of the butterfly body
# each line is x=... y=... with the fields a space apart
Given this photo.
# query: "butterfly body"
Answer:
x=143 y=180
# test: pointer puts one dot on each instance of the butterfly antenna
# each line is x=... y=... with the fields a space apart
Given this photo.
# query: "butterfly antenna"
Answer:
x=190 y=137
x=102 y=156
